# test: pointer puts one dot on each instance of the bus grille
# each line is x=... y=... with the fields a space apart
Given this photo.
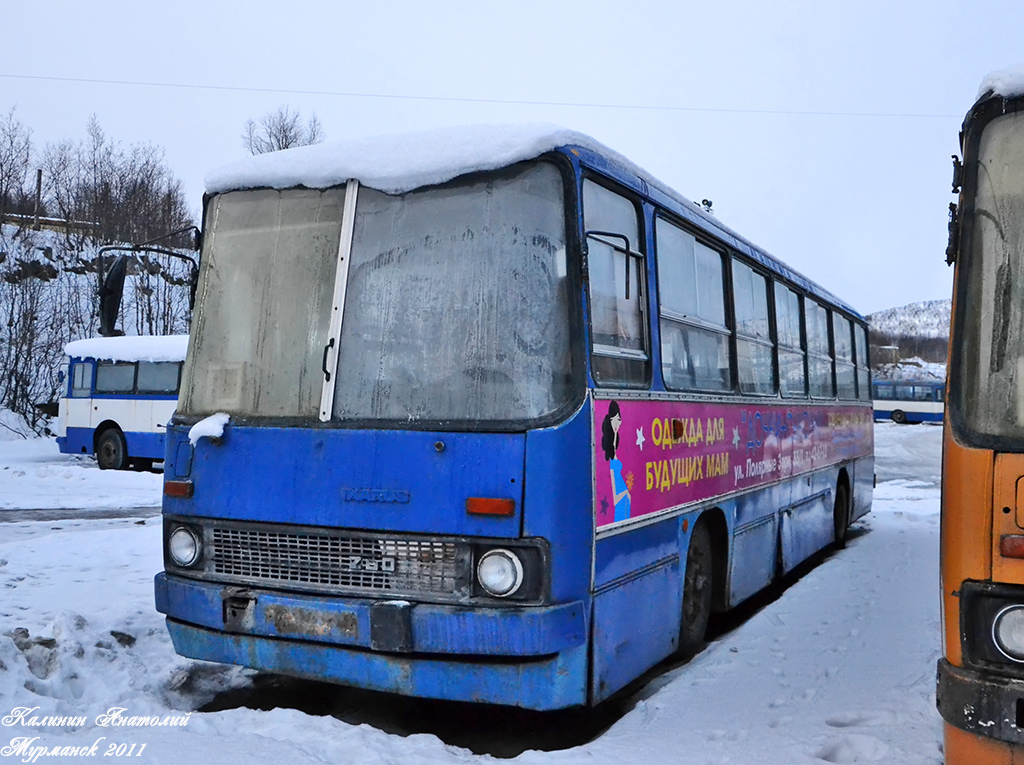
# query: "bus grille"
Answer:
x=335 y=561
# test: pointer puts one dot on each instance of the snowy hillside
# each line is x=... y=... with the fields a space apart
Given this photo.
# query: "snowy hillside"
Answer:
x=929 y=318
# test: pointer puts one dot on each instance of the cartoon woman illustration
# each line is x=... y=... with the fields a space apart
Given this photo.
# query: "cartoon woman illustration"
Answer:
x=610 y=444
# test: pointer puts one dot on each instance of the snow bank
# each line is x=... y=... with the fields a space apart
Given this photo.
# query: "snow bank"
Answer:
x=130 y=348
x=1004 y=82
x=399 y=163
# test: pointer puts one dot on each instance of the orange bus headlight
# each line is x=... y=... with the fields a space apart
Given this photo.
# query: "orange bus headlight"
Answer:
x=1008 y=632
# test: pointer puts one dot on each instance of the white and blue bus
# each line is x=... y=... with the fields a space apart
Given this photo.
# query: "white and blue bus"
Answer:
x=908 y=401
x=120 y=393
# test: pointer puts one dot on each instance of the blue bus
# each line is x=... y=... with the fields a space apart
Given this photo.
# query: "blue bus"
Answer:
x=909 y=401
x=120 y=392
x=492 y=415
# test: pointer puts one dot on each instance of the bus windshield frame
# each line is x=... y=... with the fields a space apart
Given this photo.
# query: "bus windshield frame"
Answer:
x=443 y=385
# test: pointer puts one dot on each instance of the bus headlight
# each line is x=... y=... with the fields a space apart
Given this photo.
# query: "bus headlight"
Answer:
x=500 y=572
x=183 y=546
x=1008 y=632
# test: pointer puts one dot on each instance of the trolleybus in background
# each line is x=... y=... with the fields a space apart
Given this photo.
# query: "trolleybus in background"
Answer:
x=119 y=395
x=507 y=420
x=908 y=401
x=981 y=674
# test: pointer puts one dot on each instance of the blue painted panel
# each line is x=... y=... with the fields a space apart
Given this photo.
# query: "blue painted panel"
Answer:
x=147 y=445
x=807 y=528
x=636 y=625
x=78 y=441
x=625 y=553
x=558 y=504
x=754 y=550
x=863 y=486
x=553 y=682
x=383 y=480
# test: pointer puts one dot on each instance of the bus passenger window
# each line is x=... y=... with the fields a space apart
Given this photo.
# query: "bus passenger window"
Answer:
x=842 y=335
x=860 y=337
x=115 y=377
x=819 y=355
x=694 y=333
x=617 y=288
x=792 y=373
x=158 y=376
x=81 y=380
x=755 y=357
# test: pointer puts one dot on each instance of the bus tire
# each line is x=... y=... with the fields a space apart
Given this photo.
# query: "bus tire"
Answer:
x=698 y=579
x=899 y=417
x=841 y=516
x=111 y=450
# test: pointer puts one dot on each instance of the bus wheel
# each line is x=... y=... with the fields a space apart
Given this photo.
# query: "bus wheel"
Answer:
x=111 y=450
x=841 y=515
x=899 y=418
x=697 y=582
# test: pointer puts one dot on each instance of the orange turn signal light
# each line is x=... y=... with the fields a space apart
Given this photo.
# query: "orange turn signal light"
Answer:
x=178 y=489
x=1011 y=546
x=490 y=506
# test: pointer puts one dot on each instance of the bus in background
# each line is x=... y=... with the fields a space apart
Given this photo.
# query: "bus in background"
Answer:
x=981 y=675
x=120 y=393
x=492 y=415
x=908 y=401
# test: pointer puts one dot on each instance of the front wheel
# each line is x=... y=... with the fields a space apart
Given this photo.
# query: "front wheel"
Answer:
x=697 y=581
x=899 y=417
x=111 y=450
x=841 y=516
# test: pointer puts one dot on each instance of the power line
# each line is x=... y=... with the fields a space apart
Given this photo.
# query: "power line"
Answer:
x=455 y=99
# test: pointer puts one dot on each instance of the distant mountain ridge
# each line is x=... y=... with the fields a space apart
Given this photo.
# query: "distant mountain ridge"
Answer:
x=911 y=335
x=929 y=318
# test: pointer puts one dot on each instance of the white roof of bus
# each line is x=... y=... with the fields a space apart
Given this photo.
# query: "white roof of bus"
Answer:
x=130 y=348
x=1004 y=82
x=398 y=163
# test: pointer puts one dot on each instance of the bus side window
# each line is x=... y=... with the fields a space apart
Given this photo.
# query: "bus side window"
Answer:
x=694 y=333
x=792 y=372
x=846 y=374
x=819 y=355
x=860 y=337
x=81 y=379
x=755 y=353
x=115 y=377
x=618 y=290
x=158 y=376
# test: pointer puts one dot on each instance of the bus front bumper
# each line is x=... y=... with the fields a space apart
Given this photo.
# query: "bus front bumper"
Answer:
x=981 y=703
x=532 y=657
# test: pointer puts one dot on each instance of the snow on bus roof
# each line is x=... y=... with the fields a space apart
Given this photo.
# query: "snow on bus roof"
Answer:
x=399 y=163
x=1005 y=82
x=395 y=164
x=130 y=348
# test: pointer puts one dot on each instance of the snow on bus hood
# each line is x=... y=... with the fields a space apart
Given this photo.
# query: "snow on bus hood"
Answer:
x=1004 y=82
x=130 y=348
x=398 y=163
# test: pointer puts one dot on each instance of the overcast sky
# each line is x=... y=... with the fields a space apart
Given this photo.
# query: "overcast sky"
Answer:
x=822 y=131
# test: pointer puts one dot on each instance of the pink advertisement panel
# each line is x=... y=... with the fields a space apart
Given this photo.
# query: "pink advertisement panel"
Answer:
x=653 y=455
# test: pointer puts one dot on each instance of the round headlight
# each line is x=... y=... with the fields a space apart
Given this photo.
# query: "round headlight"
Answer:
x=183 y=546
x=1008 y=632
x=500 y=572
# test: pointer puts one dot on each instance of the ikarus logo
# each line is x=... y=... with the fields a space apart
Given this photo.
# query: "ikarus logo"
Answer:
x=391 y=496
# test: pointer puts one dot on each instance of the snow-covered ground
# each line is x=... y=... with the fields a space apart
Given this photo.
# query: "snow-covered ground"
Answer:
x=840 y=668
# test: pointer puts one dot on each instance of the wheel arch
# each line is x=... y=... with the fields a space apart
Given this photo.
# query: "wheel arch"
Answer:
x=718 y=531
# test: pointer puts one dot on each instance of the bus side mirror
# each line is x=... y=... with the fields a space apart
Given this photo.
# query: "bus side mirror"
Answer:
x=111 y=290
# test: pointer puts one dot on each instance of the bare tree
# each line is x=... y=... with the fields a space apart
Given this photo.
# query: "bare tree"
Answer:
x=281 y=129
x=15 y=156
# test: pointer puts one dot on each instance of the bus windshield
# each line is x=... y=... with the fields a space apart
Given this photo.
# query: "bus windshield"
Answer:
x=456 y=306
x=991 y=390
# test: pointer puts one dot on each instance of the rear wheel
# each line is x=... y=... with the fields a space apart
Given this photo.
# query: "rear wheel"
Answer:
x=899 y=417
x=111 y=450
x=841 y=515
x=697 y=581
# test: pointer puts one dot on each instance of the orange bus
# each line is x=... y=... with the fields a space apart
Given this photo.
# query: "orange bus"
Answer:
x=980 y=691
